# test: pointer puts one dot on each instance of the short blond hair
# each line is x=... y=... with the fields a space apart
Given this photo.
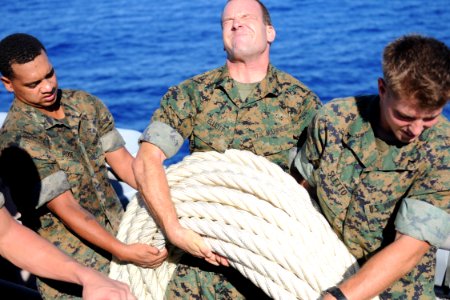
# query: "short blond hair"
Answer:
x=418 y=67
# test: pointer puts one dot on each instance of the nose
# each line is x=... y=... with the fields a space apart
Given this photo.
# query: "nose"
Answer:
x=47 y=85
x=236 y=23
x=416 y=127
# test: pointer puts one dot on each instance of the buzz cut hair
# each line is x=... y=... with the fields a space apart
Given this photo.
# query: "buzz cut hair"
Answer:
x=18 y=48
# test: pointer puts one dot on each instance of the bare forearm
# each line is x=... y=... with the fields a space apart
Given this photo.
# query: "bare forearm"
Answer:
x=121 y=162
x=31 y=252
x=84 y=224
x=38 y=256
x=383 y=269
x=152 y=184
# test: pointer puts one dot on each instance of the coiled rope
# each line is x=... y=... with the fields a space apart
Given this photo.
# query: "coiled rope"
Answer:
x=250 y=211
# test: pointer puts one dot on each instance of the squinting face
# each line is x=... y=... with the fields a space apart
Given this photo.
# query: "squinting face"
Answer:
x=403 y=118
x=34 y=83
x=243 y=30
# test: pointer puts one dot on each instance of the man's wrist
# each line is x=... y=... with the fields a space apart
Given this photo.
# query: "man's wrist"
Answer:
x=336 y=293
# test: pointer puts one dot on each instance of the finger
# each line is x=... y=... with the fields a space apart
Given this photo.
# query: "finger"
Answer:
x=224 y=261
x=206 y=252
x=212 y=261
x=154 y=250
x=163 y=252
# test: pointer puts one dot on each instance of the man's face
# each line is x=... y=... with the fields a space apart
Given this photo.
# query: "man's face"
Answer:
x=243 y=30
x=34 y=82
x=402 y=117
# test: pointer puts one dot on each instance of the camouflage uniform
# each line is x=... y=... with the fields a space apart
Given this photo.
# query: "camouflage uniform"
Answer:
x=368 y=189
x=209 y=111
x=43 y=157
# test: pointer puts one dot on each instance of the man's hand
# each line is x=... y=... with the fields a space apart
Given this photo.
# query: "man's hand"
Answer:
x=143 y=255
x=194 y=244
x=97 y=286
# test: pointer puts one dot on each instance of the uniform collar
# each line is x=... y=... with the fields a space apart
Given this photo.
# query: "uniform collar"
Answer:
x=270 y=85
x=47 y=122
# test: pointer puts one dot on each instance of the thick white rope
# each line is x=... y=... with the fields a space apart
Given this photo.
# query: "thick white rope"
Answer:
x=250 y=211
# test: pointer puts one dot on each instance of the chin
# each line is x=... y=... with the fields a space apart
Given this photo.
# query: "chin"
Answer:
x=406 y=140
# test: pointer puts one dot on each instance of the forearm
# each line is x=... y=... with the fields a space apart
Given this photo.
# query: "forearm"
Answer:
x=153 y=186
x=38 y=256
x=87 y=227
x=121 y=162
x=383 y=269
x=84 y=224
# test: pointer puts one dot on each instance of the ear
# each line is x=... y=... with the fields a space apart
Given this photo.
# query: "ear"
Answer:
x=271 y=33
x=381 y=88
x=8 y=84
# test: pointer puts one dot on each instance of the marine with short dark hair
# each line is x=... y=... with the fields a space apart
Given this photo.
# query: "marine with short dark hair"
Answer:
x=54 y=148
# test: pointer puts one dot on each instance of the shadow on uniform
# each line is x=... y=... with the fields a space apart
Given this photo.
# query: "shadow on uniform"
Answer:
x=19 y=174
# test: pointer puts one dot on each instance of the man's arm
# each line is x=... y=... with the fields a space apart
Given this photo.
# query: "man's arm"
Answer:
x=153 y=186
x=121 y=162
x=29 y=251
x=86 y=226
x=384 y=268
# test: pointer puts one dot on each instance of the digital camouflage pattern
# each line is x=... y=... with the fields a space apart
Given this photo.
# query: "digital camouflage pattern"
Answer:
x=213 y=285
x=208 y=110
x=35 y=147
x=361 y=184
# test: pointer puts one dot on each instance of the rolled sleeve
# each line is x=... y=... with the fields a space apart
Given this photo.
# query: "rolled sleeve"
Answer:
x=52 y=186
x=423 y=221
x=164 y=137
x=112 y=141
x=304 y=167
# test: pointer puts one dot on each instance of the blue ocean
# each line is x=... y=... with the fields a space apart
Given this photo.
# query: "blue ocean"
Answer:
x=128 y=52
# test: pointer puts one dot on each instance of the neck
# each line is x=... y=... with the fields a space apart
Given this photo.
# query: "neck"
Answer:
x=55 y=111
x=56 y=114
x=383 y=133
x=248 y=71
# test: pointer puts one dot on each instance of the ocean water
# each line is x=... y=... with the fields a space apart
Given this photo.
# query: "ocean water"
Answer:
x=129 y=52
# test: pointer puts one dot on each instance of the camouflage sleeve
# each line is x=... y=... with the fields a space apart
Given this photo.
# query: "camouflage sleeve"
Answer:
x=433 y=183
x=315 y=140
x=164 y=137
x=310 y=106
x=53 y=180
x=52 y=186
x=172 y=122
x=34 y=177
x=423 y=221
x=178 y=109
x=110 y=138
x=112 y=141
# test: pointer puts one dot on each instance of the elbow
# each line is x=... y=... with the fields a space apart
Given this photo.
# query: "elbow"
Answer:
x=139 y=170
x=148 y=159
